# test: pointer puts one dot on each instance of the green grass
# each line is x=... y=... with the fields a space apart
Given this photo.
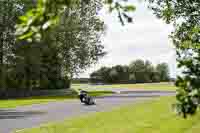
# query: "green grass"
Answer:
x=149 y=117
x=146 y=86
x=99 y=93
x=12 y=103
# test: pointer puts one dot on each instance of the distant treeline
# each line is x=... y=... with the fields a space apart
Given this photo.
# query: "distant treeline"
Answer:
x=138 y=71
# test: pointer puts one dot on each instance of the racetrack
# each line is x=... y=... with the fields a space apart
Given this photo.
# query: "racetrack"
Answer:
x=34 y=115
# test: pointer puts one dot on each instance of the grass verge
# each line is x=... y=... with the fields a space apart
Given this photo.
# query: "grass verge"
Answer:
x=12 y=103
x=145 y=86
x=149 y=117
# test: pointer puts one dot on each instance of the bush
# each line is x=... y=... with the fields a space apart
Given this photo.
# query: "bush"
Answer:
x=13 y=86
x=59 y=83
x=44 y=83
x=62 y=83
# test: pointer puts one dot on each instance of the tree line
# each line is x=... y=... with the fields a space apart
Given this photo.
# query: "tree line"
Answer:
x=138 y=71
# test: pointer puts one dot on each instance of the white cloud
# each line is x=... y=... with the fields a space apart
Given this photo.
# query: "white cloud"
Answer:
x=146 y=38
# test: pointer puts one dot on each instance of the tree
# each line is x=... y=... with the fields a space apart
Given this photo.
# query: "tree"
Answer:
x=132 y=78
x=125 y=74
x=145 y=72
x=163 y=72
x=137 y=68
x=185 y=15
x=8 y=18
x=150 y=71
x=104 y=74
x=119 y=74
x=114 y=76
x=77 y=38
x=66 y=50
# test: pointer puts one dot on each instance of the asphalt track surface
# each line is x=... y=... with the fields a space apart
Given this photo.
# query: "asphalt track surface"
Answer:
x=35 y=115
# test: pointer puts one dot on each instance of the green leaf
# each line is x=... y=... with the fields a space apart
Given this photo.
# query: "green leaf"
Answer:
x=23 y=18
x=109 y=1
x=129 y=8
x=27 y=35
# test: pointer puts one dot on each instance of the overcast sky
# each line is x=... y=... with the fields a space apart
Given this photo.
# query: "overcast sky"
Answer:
x=146 y=38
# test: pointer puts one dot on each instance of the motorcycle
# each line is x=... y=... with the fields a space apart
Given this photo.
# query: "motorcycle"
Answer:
x=85 y=98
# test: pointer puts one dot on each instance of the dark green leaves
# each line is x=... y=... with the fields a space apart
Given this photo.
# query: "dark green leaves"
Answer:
x=109 y=1
x=185 y=15
x=123 y=11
